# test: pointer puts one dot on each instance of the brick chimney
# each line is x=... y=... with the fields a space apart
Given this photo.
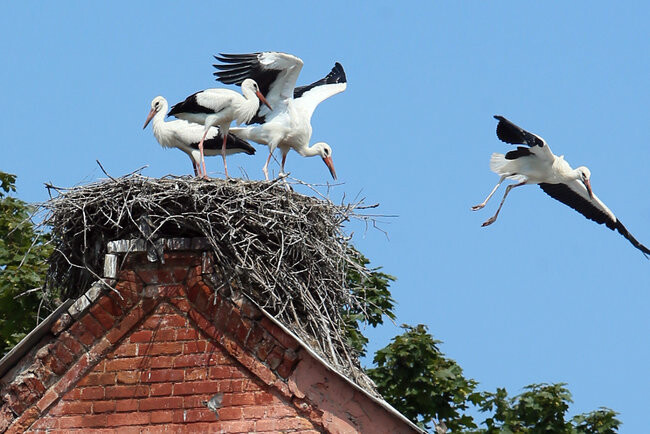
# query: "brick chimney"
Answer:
x=168 y=349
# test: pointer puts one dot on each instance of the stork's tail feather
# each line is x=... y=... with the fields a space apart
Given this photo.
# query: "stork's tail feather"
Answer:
x=498 y=164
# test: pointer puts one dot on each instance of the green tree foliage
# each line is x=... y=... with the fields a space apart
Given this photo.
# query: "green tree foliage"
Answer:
x=373 y=291
x=542 y=408
x=415 y=377
x=23 y=255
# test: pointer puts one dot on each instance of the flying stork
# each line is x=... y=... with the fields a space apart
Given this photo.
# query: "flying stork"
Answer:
x=288 y=124
x=536 y=164
x=219 y=107
x=187 y=135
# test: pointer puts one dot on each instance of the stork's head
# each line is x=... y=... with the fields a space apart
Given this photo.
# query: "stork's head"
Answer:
x=157 y=104
x=584 y=176
x=250 y=85
x=325 y=153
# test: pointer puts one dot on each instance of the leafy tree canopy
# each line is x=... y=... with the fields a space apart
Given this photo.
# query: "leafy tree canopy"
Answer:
x=23 y=255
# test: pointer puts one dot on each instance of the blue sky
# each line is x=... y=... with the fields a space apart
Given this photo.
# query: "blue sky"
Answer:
x=543 y=295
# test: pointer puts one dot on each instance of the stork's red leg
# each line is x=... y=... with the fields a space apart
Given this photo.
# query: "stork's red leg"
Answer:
x=205 y=172
x=265 y=168
x=223 y=153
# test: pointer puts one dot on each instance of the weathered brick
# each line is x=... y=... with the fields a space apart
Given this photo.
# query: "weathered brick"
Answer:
x=191 y=360
x=163 y=348
x=81 y=334
x=248 y=413
x=264 y=348
x=199 y=415
x=61 y=324
x=160 y=361
x=238 y=426
x=105 y=319
x=161 y=389
x=275 y=358
x=283 y=338
x=198 y=294
x=161 y=403
x=71 y=407
x=165 y=335
x=128 y=419
x=244 y=398
x=127 y=363
x=125 y=350
x=130 y=404
x=196 y=374
x=127 y=377
x=135 y=391
x=46 y=400
x=161 y=417
x=103 y=407
x=289 y=360
x=62 y=353
x=198 y=346
x=71 y=344
x=91 y=392
x=265 y=398
x=92 y=325
x=125 y=325
x=162 y=375
x=295 y=423
x=85 y=421
x=141 y=336
x=195 y=388
x=222 y=315
x=97 y=379
x=230 y=413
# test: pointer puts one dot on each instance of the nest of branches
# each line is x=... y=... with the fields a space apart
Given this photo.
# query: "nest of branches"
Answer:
x=287 y=251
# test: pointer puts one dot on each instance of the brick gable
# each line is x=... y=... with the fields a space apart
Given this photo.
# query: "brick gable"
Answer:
x=149 y=357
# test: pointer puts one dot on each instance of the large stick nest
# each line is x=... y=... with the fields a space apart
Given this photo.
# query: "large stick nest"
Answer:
x=286 y=250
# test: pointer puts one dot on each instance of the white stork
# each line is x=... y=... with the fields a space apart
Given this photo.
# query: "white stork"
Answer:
x=187 y=135
x=219 y=107
x=536 y=164
x=288 y=125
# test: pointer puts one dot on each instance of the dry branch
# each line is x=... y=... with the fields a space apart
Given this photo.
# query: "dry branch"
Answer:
x=286 y=250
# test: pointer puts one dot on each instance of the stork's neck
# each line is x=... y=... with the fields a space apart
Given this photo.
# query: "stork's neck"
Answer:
x=247 y=107
x=308 y=151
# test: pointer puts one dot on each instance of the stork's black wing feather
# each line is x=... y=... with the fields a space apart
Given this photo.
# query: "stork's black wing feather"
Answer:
x=519 y=152
x=336 y=75
x=515 y=135
x=587 y=208
x=232 y=142
x=235 y=68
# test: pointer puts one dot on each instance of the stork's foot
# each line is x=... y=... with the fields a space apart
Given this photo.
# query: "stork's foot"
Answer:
x=282 y=175
x=489 y=221
x=478 y=207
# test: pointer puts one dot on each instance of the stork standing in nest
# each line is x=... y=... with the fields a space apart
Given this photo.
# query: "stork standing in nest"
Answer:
x=219 y=107
x=536 y=164
x=288 y=124
x=187 y=135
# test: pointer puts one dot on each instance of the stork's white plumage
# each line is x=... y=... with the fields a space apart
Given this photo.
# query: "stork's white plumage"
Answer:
x=219 y=107
x=288 y=124
x=536 y=164
x=187 y=135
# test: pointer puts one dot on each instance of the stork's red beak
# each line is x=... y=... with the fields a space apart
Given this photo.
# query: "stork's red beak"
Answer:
x=150 y=116
x=588 y=185
x=330 y=165
x=261 y=97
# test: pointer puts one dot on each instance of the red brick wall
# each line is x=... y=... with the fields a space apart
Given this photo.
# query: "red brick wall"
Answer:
x=160 y=376
x=148 y=359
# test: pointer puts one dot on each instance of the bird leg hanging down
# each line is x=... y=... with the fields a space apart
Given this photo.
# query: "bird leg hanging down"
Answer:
x=494 y=217
x=481 y=205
